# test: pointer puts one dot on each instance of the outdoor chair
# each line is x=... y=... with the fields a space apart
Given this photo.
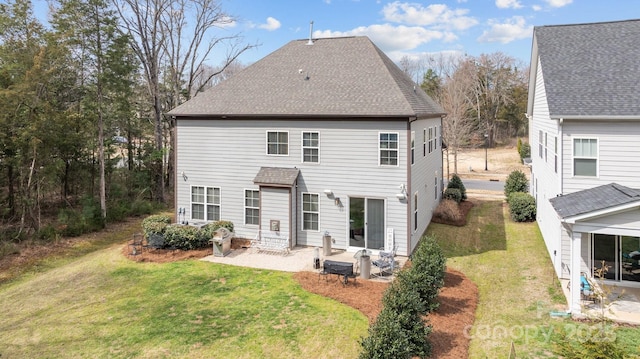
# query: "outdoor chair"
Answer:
x=586 y=289
x=386 y=263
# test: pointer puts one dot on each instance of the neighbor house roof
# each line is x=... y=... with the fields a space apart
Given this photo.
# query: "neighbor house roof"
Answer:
x=348 y=76
x=591 y=70
x=276 y=176
x=595 y=199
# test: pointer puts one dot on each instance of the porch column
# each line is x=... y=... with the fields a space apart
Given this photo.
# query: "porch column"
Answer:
x=575 y=305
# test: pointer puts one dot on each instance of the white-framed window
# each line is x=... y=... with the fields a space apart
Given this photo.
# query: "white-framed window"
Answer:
x=413 y=147
x=388 y=149
x=435 y=138
x=310 y=211
x=415 y=211
x=278 y=143
x=424 y=142
x=251 y=206
x=430 y=139
x=555 y=153
x=540 y=143
x=205 y=203
x=585 y=157
x=546 y=146
x=435 y=187
x=310 y=147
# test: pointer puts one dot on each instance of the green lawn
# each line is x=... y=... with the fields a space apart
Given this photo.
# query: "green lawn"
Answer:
x=105 y=306
x=517 y=286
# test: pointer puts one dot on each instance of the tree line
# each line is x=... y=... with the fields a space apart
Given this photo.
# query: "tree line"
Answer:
x=484 y=97
x=83 y=138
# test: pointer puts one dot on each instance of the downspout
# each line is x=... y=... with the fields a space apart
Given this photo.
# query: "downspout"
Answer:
x=560 y=156
x=409 y=188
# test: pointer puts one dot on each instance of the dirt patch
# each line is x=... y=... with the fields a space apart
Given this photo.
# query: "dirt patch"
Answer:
x=500 y=162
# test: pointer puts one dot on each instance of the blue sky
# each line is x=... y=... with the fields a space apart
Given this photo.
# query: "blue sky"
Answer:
x=417 y=28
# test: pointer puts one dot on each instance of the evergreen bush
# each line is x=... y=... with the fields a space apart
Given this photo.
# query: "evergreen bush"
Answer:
x=426 y=273
x=525 y=151
x=210 y=228
x=184 y=237
x=399 y=331
x=155 y=224
x=453 y=194
x=456 y=182
x=522 y=206
x=516 y=182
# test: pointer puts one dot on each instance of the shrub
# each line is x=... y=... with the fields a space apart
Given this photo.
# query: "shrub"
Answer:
x=399 y=331
x=449 y=211
x=47 y=233
x=184 y=237
x=456 y=182
x=516 y=182
x=594 y=342
x=453 y=194
x=525 y=151
x=519 y=145
x=209 y=228
x=522 y=206
x=155 y=224
x=426 y=274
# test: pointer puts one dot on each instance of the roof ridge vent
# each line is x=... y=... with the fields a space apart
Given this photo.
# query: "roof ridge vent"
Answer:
x=310 y=33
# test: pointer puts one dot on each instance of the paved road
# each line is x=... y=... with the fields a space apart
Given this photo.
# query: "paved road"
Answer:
x=483 y=185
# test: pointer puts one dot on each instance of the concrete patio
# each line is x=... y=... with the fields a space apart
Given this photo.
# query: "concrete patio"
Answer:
x=298 y=259
x=622 y=304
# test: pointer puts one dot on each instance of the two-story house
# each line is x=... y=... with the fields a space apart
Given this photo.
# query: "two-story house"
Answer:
x=322 y=136
x=584 y=128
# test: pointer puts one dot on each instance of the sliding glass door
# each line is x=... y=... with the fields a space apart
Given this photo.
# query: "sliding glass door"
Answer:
x=366 y=223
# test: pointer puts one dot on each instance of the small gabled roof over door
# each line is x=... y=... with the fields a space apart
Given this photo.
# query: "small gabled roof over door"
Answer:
x=276 y=177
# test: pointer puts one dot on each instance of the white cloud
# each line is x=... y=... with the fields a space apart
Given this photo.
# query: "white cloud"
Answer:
x=271 y=25
x=558 y=3
x=536 y=7
x=437 y=15
x=226 y=23
x=508 y=4
x=513 y=29
x=392 y=38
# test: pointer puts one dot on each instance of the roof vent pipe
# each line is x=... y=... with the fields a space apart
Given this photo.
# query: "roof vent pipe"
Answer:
x=310 y=33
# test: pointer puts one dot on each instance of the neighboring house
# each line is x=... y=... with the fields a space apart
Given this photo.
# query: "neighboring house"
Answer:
x=584 y=128
x=323 y=136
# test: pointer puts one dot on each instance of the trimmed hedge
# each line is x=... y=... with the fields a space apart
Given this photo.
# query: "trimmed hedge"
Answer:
x=522 y=207
x=185 y=237
x=155 y=224
x=210 y=228
x=516 y=182
x=400 y=331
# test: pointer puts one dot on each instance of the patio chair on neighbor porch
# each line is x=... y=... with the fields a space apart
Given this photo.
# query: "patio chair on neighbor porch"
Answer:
x=587 y=289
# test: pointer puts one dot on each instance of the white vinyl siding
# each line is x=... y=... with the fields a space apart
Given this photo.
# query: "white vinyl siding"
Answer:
x=585 y=157
x=388 y=149
x=277 y=143
x=251 y=207
x=310 y=147
x=205 y=203
x=310 y=211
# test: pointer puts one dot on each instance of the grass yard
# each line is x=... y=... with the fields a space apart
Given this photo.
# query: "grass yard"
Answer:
x=105 y=306
x=517 y=287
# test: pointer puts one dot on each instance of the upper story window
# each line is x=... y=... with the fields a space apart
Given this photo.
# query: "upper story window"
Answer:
x=310 y=211
x=424 y=141
x=388 y=149
x=251 y=206
x=413 y=147
x=430 y=139
x=585 y=157
x=555 y=153
x=277 y=143
x=205 y=203
x=540 y=143
x=311 y=147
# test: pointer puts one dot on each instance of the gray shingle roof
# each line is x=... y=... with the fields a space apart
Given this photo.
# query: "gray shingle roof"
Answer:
x=591 y=69
x=276 y=176
x=347 y=76
x=594 y=199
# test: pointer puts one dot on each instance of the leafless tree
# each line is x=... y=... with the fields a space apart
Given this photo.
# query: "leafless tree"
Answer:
x=173 y=39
